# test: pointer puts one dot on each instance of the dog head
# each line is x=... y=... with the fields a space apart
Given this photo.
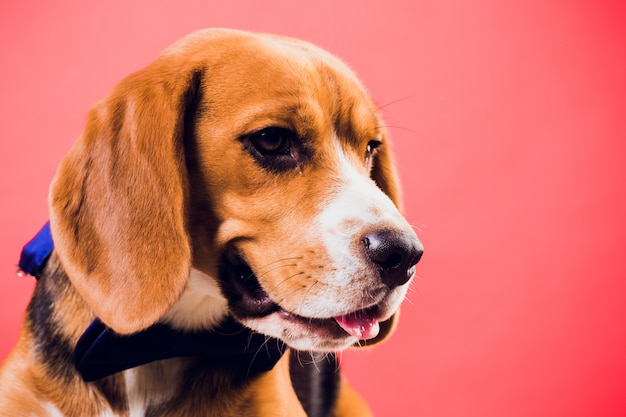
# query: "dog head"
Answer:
x=239 y=174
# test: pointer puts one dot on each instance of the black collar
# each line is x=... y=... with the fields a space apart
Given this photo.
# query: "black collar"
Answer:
x=101 y=352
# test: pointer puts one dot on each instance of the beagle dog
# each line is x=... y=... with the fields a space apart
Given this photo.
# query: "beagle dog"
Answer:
x=226 y=224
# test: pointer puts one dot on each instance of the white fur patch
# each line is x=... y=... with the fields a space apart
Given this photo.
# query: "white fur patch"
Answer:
x=357 y=207
x=51 y=410
x=201 y=306
x=152 y=384
x=357 y=202
x=136 y=401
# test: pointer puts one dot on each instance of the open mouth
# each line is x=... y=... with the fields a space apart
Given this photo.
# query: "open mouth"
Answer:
x=248 y=300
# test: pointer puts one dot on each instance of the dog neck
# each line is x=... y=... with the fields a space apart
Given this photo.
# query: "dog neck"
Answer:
x=101 y=352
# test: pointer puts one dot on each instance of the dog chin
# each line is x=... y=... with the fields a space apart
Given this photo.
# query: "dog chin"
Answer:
x=328 y=334
x=299 y=333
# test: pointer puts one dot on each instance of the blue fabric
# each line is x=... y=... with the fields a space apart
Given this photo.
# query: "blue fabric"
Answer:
x=101 y=352
x=36 y=252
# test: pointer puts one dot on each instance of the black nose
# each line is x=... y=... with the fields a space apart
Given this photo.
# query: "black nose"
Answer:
x=394 y=253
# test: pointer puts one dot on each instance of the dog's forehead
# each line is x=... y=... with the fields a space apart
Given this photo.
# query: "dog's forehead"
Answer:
x=232 y=46
x=256 y=80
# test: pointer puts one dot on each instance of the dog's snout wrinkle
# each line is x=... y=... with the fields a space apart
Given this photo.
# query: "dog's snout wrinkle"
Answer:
x=394 y=253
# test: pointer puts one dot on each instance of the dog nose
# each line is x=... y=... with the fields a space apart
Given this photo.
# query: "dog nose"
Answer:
x=394 y=253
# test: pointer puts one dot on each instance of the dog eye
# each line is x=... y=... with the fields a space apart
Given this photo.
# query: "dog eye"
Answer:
x=273 y=141
x=372 y=145
x=275 y=149
x=370 y=151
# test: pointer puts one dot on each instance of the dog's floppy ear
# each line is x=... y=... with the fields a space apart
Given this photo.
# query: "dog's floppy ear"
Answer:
x=118 y=201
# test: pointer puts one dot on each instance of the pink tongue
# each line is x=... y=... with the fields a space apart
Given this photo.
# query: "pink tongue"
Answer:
x=360 y=325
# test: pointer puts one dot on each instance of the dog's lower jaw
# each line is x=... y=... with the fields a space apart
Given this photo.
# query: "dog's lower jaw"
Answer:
x=322 y=335
x=323 y=324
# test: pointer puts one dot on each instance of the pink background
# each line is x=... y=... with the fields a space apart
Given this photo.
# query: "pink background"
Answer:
x=510 y=129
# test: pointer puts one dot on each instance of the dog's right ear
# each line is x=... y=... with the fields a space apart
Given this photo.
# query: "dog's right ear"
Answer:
x=118 y=202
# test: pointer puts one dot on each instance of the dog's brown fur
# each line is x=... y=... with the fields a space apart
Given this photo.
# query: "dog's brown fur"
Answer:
x=158 y=184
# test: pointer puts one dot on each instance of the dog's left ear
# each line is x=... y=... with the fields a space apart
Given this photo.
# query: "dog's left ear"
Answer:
x=118 y=202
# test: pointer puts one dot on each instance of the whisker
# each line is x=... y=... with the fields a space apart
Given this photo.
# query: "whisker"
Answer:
x=299 y=358
x=339 y=361
x=280 y=260
x=305 y=296
x=418 y=226
x=289 y=278
x=410 y=302
x=314 y=361
x=264 y=345
x=396 y=101
x=408 y=129
x=274 y=269
x=261 y=272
